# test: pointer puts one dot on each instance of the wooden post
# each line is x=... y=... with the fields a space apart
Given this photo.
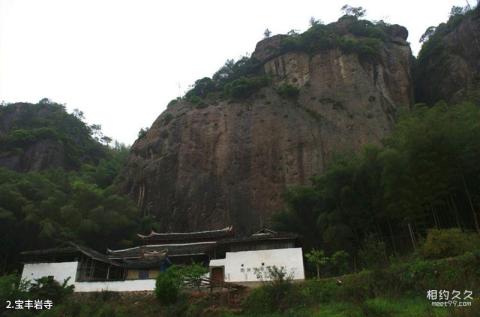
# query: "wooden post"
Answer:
x=92 y=270
x=474 y=214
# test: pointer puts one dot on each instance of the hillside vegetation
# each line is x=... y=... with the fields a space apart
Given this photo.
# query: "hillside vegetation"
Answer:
x=73 y=199
x=380 y=226
x=398 y=290
x=39 y=136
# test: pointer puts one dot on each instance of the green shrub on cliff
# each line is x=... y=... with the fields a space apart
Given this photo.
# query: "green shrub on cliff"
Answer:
x=237 y=79
x=288 y=91
x=349 y=34
x=201 y=88
x=244 y=87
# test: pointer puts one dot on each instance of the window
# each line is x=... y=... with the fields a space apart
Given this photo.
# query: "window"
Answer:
x=143 y=274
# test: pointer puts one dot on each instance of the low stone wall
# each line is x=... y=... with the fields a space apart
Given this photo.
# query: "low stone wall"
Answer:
x=116 y=286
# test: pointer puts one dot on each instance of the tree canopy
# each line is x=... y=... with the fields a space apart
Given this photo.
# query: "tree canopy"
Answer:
x=426 y=176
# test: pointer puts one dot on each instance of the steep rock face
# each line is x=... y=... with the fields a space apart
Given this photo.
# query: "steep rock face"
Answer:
x=38 y=156
x=229 y=162
x=449 y=63
x=35 y=137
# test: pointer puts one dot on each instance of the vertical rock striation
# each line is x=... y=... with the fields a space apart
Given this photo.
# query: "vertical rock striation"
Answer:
x=230 y=161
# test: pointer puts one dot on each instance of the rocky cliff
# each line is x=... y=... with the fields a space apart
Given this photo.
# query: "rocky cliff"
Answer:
x=35 y=137
x=225 y=160
x=448 y=66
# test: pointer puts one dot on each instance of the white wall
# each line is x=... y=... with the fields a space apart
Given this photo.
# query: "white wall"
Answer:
x=217 y=263
x=116 y=286
x=60 y=271
x=291 y=259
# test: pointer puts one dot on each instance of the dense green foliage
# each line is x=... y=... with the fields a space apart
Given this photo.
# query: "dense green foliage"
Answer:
x=169 y=283
x=233 y=80
x=46 y=208
x=448 y=242
x=240 y=79
x=167 y=286
x=336 y=264
x=317 y=258
x=398 y=291
x=45 y=288
x=427 y=175
x=245 y=86
x=350 y=34
x=41 y=209
x=275 y=293
x=24 y=124
x=373 y=293
x=437 y=56
x=433 y=36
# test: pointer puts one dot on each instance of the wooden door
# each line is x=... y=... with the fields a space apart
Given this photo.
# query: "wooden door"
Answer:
x=217 y=275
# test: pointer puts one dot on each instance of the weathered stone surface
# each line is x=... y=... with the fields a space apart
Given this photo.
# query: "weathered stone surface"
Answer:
x=41 y=155
x=230 y=162
x=65 y=142
x=452 y=72
x=268 y=48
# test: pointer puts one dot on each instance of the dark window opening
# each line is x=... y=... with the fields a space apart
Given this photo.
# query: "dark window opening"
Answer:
x=143 y=274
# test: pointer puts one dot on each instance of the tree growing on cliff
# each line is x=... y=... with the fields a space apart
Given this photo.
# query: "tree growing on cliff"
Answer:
x=358 y=12
x=143 y=132
x=314 y=21
x=267 y=33
x=429 y=32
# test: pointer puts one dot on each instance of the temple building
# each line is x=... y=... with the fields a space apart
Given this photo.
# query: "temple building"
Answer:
x=230 y=259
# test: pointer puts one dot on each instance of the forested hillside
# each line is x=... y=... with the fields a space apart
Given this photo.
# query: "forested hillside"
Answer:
x=39 y=136
x=317 y=134
x=62 y=181
x=63 y=190
x=425 y=176
x=448 y=66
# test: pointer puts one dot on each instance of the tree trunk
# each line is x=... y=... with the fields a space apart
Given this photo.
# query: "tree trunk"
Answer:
x=435 y=221
x=392 y=236
x=318 y=271
x=474 y=214
x=412 y=237
x=455 y=211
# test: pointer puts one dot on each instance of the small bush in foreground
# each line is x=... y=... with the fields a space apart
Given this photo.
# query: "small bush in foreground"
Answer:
x=47 y=288
x=167 y=286
x=448 y=242
x=276 y=294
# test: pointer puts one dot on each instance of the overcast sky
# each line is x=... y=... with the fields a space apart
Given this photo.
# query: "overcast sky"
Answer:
x=121 y=62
